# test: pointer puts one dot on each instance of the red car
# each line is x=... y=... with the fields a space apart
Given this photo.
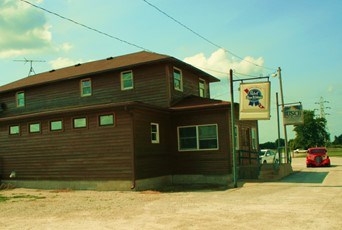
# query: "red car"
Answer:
x=317 y=157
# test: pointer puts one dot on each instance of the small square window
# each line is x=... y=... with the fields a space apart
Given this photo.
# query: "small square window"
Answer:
x=126 y=80
x=86 y=87
x=105 y=120
x=34 y=128
x=80 y=122
x=14 y=130
x=154 y=133
x=56 y=125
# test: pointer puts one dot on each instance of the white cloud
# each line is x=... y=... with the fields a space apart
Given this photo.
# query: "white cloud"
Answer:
x=23 y=29
x=219 y=64
x=63 y=62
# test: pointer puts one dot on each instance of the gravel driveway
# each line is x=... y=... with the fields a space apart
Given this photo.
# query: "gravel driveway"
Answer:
x=308 y=199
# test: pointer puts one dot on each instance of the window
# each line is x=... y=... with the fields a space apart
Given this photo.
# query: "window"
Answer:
x=56 y=125
x=14 y=130
x=154 y=133
x=200 y=137
x=126 y=80
x=86 y=87
x=34 y=128
x=202 y=88
x=177 y=79
x=80 y=122
x=236 y=136
x=105 y=120
x=254 y=139
x=20 y=98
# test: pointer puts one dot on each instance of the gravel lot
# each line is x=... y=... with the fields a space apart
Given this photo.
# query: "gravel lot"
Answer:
x=308 y=199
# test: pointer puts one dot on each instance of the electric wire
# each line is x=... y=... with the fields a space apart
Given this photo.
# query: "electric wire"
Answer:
x=87 y=27
x=204 y=38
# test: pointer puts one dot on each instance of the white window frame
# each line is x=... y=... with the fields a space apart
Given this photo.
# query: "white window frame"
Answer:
x=56 y=130
x=82 y=87
x=156 y=140
x=180 y=88
x=204 y=87
x=79 y=127
x=106 y=115
x=197 y=138
x=17 y=131
x=122 y=80
x=31 y=125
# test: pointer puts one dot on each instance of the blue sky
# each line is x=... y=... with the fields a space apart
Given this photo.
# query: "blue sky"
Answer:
x=303 y=37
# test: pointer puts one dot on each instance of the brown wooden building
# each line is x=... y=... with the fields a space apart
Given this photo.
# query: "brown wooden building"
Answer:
x=136 y=121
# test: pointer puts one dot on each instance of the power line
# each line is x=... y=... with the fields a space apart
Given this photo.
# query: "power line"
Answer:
x=204 y=38
x=85 y=26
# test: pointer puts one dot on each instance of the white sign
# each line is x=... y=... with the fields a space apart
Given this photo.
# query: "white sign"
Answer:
x=293 y=115
x=255 y=101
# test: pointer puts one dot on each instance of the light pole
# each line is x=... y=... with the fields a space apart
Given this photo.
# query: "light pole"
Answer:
x=282 y=110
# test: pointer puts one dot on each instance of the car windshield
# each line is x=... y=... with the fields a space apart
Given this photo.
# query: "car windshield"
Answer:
x=262 y=152
x=314 y=151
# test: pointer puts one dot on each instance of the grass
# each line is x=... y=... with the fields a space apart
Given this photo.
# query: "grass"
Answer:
x=335 y=152
x=20 y=197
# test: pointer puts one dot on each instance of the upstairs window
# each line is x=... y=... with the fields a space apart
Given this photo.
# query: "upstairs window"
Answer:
x=202 y=88
x=86 y=87
x=20 y=99
x=199 y=137
x=154 y=133
x=126 y=80
x=177 y=79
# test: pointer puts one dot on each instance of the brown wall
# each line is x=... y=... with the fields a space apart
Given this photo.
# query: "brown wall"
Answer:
x=202 y=162
x=72 y=154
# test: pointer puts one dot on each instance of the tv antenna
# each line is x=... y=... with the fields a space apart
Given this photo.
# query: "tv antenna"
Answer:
x=30 y=61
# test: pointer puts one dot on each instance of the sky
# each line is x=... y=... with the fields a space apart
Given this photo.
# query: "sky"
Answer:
x=252 y=37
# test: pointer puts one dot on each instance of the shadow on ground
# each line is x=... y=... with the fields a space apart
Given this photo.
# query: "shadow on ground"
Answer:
x=305 y=177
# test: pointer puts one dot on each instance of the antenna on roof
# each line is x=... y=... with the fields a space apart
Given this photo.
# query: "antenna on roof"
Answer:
x=30 y=61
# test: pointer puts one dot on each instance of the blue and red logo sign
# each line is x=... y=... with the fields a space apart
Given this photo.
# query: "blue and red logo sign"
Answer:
x=254 y=96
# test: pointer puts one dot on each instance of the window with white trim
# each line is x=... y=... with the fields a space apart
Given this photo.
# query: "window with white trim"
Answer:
x=202 y=86
x=20 y=99
x=106 y=120
x=127 y=80
x=154 y=133
x=34 y=128
x=198 y=137
x=177 y=79
x=86 y=89
x=56 y=125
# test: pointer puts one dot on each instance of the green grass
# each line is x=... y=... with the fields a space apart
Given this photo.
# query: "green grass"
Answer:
x=335 y=152
x=21 y=197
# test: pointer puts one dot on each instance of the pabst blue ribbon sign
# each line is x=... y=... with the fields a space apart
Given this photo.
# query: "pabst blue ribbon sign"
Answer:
x=293 y=115
x=255 y=101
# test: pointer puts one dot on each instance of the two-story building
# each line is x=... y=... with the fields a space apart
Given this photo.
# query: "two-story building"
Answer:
x=137 y=121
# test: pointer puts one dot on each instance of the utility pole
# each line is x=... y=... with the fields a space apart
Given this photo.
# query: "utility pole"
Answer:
x=282 y=109
x=278 y=125
x=232 y=118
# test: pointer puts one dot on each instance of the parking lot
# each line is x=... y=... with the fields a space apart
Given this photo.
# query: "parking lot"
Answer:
x=310 y=198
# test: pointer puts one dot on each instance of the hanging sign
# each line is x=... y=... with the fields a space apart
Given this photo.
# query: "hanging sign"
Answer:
x=293 y=115
x=255 y=101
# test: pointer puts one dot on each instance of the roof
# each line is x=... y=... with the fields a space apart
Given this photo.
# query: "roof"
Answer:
x=196 y=102
x=109 y=64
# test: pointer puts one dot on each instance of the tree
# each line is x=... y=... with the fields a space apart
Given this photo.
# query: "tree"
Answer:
x=338 y=140
x=312 y=133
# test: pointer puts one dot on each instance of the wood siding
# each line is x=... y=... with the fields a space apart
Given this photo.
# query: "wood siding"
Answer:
x=206 y=162
x=92 y=153
x=151 y=159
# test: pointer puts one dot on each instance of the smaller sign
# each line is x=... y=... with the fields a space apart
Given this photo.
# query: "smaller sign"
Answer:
x=293 y=115
x=255 y=101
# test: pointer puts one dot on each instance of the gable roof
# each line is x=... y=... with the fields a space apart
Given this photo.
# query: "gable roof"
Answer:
x=112 y=63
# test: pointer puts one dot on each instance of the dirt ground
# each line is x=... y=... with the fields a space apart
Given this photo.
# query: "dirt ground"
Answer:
x=308 y=199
